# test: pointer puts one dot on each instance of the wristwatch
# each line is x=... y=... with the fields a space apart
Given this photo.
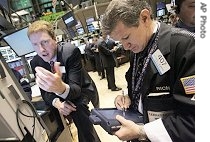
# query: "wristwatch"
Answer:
x=142 y=134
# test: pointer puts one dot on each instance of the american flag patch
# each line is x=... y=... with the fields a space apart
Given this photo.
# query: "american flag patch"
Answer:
x=189 y=84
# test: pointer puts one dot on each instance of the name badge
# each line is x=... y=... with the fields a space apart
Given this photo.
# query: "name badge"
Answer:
x=153 y=115
x=160 y=62
x=62 y=69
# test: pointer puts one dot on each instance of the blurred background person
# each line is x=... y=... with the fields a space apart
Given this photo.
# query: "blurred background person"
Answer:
x=90 y=54
x=173 y=19
x=99 y=64
x=185 y=10
x=106 y=48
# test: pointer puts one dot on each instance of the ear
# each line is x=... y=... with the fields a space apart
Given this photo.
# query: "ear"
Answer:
x=145 y=16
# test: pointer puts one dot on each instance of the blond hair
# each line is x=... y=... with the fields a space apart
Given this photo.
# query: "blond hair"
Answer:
x=41 y=26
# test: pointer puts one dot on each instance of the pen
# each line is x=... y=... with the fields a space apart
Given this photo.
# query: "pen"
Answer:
x=123 y=109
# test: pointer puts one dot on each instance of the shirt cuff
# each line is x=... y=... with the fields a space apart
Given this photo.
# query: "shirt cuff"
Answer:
x=54 y=100
x=156 y=131
x=65 y=93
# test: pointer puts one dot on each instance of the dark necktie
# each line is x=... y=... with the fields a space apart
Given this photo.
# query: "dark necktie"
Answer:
x=52 y=66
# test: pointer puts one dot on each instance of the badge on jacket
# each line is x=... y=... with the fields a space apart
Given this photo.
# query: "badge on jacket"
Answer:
x=160 y=62
x=62 y=69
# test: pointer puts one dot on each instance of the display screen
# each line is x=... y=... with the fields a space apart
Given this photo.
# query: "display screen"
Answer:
x=80 y=31
x=69 y=19
x=110 y=114
x=89 y=20
x=91 y=28
x=19 y=42
x=160 y=5
x=79 y=28
x=160 y=12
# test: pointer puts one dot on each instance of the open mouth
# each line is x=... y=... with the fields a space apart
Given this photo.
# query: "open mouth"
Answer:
x=46 y=54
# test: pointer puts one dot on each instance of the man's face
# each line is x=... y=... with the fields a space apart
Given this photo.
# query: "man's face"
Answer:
x=132 y=38
x=187 y=12
x=95 y=40
x=44 y=45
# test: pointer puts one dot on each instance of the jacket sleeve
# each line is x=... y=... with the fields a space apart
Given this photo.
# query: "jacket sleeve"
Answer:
x=102 y=47
x=74 y=76
x=181 y=125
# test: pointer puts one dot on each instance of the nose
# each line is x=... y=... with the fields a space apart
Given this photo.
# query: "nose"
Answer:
x=40 y=47
x=126 y=45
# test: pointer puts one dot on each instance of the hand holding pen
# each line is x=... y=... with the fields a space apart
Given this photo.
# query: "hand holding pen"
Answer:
x=122 y=101
x=125 y=104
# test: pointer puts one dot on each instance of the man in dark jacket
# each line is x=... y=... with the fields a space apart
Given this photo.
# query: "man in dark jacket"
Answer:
x=106 y=48
x=90 y=54
x=63 y=82
x=161 y=77
x=99 y=64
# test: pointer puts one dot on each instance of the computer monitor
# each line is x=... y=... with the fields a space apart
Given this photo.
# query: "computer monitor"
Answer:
x=79 y=28
x=80 y=31
x=160 y=5
x=89 y=20
x=69 y=19
x=160 y=9
x=90 y=28
x=161 y=12
x=19 y=42
x=89 y=24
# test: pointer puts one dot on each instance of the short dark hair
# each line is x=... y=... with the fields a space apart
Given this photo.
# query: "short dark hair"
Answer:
x=126 y=11
x=178 y=4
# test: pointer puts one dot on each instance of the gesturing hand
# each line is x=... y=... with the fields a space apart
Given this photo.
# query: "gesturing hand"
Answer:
x=48 y=81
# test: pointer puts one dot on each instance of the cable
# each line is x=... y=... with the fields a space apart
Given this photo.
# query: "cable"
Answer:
x=17 y=118
x=34 y=116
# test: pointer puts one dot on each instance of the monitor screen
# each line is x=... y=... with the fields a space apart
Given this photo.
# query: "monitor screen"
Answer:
x=160 y=12
x=89 y=20
x=19 y=42
x=90 y=28
x=69 y=19
x=160 y=5
x=80 y=31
